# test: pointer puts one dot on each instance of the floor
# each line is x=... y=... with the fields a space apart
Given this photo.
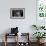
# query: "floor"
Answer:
x=13 y=44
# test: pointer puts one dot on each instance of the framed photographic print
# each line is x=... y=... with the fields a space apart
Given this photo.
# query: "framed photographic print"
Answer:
x=41 y=12
x=41 y=8
x=17 y=13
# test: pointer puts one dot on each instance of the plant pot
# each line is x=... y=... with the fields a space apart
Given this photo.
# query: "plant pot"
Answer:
x=40 y=41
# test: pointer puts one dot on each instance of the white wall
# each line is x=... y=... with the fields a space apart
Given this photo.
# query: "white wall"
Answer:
x=23 y=24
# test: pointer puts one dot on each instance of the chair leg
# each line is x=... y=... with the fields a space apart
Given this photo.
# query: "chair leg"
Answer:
x=5 y=43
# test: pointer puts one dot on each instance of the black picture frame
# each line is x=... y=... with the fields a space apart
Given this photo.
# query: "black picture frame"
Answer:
x=17 y=13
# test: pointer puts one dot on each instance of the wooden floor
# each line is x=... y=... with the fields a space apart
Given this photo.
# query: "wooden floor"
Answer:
x=13 y=44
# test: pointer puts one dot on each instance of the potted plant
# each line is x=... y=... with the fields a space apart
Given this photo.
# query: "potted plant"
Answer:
x=42 y=27
x=38 y=27
x=39 y=35
x=35 y=26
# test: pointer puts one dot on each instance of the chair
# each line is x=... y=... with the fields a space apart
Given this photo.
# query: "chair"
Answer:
x=25 y=36
x=7 y=35
x=14 y=32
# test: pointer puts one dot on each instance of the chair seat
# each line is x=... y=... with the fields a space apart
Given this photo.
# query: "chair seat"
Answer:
x=9 y=34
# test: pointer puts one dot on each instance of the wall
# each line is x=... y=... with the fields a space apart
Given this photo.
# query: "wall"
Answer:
x=23 y=24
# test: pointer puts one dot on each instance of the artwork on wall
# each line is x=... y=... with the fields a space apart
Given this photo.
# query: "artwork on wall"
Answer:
x=41 y=12
x=41 y=8
x=17 y=13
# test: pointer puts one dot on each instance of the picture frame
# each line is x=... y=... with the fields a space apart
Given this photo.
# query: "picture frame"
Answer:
x=17 y=13
x=41 y=12
x=41 y=9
